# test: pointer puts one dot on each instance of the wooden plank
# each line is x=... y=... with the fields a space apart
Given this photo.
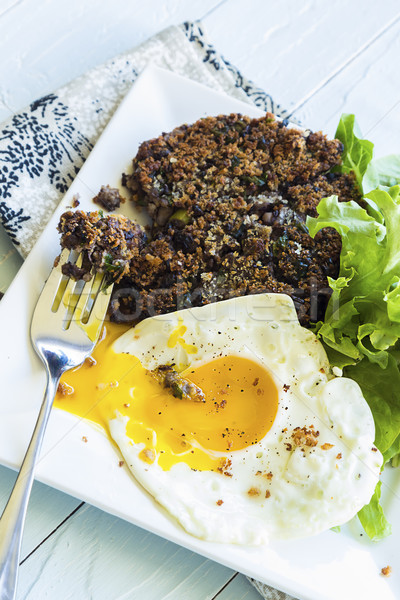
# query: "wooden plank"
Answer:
x=76 y=36
x=47 y=508
x=367 y=87
x=7 y=5
x=290 y=48
x=97 y=556
x=238 y=589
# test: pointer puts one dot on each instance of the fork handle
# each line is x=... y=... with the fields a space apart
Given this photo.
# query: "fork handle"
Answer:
x=13 y=518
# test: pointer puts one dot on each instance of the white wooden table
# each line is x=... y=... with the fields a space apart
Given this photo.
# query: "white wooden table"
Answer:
x=320 y=59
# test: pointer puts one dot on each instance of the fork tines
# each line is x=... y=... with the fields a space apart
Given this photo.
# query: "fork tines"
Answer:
x=84 y=300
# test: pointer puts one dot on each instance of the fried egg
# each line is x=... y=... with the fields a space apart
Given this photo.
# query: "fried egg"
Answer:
x=279 y=449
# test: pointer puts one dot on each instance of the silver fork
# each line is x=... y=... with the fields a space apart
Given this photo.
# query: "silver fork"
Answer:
x=65 y=326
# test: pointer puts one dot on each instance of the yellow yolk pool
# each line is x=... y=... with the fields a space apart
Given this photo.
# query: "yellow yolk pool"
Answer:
x=241 y=402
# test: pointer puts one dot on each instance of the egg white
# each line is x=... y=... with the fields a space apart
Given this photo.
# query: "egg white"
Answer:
x=312 y=488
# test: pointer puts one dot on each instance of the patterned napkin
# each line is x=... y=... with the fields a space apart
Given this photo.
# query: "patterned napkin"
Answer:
x=43 y=147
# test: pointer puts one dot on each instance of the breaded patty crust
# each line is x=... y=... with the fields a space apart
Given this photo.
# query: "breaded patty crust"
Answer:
x=228 y=197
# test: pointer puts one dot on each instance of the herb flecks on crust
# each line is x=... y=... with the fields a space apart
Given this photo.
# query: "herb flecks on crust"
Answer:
x=108 y=243
x=228 y=197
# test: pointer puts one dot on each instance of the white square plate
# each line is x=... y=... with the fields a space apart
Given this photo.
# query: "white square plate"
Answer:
x=331 y=566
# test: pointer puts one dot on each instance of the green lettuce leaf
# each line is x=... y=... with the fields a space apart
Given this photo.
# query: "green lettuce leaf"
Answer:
x=357 y=157
x=393 y=453
x=383 y=171
x=357 y=153
x=373 y=519
x=363 y=315
x=361 y=329
x=381 y=388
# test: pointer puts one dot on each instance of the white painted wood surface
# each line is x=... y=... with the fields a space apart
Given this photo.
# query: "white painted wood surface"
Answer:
x=110 y=566
x=319 y=59
x=47 y=509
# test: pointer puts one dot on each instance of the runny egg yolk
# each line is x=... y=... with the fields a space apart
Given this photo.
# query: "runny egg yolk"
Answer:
x=241 y=402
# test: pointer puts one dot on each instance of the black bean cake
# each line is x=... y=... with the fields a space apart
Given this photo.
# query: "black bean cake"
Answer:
x=228 y=197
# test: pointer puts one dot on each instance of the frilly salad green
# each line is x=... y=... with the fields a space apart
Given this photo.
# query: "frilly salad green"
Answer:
x=361 y=330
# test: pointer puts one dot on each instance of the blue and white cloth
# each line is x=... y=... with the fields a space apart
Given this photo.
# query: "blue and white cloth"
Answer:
x=43 y=146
